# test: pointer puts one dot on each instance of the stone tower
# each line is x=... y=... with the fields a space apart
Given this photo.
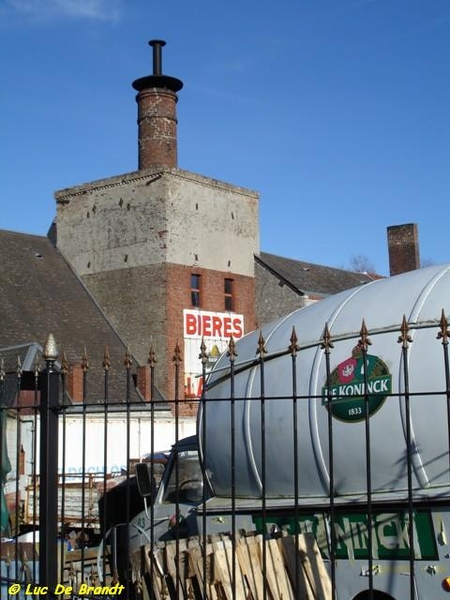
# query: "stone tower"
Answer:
x=167 y=254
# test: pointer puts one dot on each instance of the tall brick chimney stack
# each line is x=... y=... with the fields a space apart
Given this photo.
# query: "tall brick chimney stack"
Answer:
x=157 y=119
x=403 y=248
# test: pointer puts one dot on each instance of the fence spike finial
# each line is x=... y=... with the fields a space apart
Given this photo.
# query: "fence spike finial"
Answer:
x=364 y=341
x=37 y=366
x=177 y=359
x=443 y=333
x=294 y=347
x=85 y=361
x=106 y=360
x=231 y=353
x=261 y=350
x=128 y=361
x=50 y=349
x=64 y=364
x=152 y=357
x=404 y=338
x=203 y=356
x=326 y=344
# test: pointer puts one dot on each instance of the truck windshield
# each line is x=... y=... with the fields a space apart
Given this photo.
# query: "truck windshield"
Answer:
x=185 y=468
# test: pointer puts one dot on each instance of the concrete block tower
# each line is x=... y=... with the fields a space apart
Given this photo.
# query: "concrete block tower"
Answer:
x=168 y=254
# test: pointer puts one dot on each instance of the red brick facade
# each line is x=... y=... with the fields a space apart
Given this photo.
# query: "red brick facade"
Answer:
x=212 y=298
x=75 y=383
x=143 y=381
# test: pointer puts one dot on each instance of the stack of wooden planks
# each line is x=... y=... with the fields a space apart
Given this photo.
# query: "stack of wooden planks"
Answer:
x=80 y=500
x=249 y=568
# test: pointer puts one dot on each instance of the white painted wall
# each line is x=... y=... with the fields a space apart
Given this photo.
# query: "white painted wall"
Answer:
x=72 y=432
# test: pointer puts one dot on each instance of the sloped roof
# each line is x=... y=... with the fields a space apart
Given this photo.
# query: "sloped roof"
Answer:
x=23 y=359
x=308 y=279
x=40 y=294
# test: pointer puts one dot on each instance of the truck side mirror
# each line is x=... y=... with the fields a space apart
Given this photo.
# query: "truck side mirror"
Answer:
x=146 y=483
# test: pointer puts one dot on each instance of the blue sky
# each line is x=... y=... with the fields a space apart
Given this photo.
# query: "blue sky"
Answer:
x=336 y=111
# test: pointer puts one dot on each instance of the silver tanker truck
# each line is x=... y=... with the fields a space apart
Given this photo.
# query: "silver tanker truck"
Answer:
x=328 y=420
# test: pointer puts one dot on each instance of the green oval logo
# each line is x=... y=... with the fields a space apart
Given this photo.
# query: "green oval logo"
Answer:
x=347 y=390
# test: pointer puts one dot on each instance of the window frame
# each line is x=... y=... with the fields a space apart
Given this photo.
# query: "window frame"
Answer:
x=196 y=290
x=229 y=295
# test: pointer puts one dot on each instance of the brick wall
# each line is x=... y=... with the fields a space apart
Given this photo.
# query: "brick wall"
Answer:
x=403 y=248
x=134 y=300
x=157 y=124
x=75 y=383
x=146 y=305
x=143 y=381
x=212 y=299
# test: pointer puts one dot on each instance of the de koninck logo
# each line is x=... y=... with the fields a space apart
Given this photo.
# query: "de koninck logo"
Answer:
x=346 y=390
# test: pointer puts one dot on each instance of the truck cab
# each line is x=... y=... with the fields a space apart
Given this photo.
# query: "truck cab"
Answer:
x=167 y=510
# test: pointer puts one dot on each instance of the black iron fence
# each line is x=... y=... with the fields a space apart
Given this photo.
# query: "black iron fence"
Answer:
x=316 y=471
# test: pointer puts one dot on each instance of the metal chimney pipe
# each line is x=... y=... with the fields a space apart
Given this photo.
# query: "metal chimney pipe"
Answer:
x=157 y=45
x=157 y=118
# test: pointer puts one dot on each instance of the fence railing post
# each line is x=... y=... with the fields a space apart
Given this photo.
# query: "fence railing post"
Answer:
x=48 y=470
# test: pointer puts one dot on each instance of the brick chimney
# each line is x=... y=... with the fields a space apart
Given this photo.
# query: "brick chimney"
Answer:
x=403 y=248
x=143 y=382
x=75 y=383
x=157 y=119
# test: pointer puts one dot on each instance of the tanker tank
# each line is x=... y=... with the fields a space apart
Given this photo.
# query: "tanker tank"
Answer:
x=337 y=399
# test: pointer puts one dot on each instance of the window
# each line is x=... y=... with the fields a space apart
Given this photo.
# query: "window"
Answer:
x=184 y=470
x=195 y=290
x=228 y=292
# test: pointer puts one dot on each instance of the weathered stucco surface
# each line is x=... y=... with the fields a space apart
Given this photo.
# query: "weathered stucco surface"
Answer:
x=153 y=217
